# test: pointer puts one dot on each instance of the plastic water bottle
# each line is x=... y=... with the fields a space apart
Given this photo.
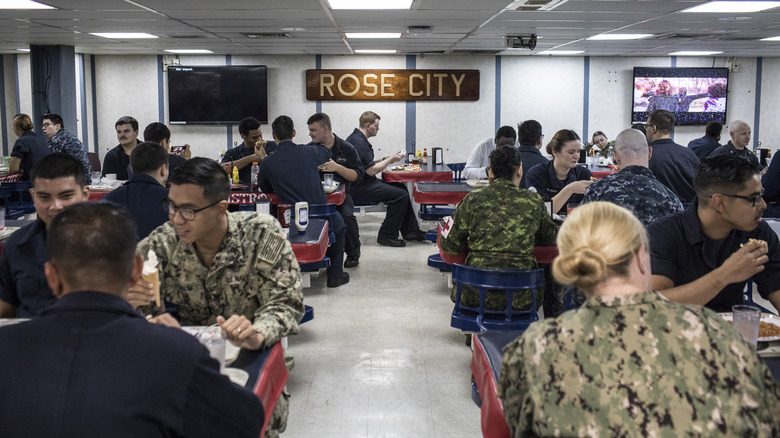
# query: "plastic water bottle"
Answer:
x=255 y=173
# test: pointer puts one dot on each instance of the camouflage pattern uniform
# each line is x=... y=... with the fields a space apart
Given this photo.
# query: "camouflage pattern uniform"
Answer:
x=636 y=365
x=636 y=188
x=499 y=225
x=67 y=143
x=254 y=274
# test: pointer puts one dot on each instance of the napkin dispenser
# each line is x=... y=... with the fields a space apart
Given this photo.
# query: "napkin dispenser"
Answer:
x=438 y=155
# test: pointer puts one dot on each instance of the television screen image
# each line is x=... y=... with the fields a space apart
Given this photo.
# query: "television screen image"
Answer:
x=695 y=96
x=217 y=94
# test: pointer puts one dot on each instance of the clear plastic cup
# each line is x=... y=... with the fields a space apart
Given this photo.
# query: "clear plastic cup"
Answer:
x=746 y=320
x=328 y=179
x=214 y=340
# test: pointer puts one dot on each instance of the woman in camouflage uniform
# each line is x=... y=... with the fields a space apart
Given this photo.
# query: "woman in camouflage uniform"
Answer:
x=629 y=362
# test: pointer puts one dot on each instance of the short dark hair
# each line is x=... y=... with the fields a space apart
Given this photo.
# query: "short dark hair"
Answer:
x=206 y=173
x=723 y=174
x=529 y=132
x=663 y=120
x=559 y=139
x=506 y=132
x=248 y=124
x=58 y=165
x=147 y=157
x=55 y=119
x=157 y=132
x=505 y=161
x=320 y=118
x=640 y=127
x=714 y=129
x=283 y=128
x=127 y=120
x=92 y=239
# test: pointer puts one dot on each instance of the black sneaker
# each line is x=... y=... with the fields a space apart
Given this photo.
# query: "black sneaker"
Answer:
x=351 y=262
x=385 y=241
x=417 y=235
x=339 y=281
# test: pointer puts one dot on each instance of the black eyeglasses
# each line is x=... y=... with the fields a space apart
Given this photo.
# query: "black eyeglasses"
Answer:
x=753 y=199
x=187 y=213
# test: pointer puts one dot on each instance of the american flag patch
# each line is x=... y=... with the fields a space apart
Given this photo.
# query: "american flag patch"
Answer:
x=271 y=247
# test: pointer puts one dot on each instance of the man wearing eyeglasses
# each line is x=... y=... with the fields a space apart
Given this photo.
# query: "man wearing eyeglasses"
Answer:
x=705 y=254
x=236 y=270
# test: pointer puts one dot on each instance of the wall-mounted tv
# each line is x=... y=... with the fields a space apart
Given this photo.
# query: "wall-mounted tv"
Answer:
x=217 y=94
x=696 y=96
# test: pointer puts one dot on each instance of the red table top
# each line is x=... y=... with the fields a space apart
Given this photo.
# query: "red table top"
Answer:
x=310 y=247
x=452 y=195
x=429 y=172
x=96 y=195
x=10 y=177
x=242 y=198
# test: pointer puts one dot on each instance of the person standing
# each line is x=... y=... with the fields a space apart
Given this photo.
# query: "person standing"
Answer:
x=400 y=217
x=117 y=160
x=672 y=164
x=57 y=183
x=29 y=148
x=62 y=140
x=91 y=366
x=145 y=191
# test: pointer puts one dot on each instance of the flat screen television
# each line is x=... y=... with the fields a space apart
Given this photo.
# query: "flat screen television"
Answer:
x=695 y=96
x=217 y=95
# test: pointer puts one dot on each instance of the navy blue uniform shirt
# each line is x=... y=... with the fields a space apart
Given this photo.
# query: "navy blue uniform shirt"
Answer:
x=22 y=282
x=545 y=182
x=241 y=151
x=683 y=253
x=30 y=147
x=344 y=154
x=675 y=166
x=703 y=146
x=142 y=195
x=531 y=157
x=291 y=172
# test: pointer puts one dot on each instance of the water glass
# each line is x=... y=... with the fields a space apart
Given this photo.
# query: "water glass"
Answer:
x=746 y=320
x=328 y=178
x=214 y=340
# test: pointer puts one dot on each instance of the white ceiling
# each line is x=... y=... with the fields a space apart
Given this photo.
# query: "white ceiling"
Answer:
x=458 y=26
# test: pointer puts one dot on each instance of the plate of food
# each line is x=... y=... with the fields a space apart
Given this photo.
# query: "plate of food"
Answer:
x=330 y=189
x=769 y=329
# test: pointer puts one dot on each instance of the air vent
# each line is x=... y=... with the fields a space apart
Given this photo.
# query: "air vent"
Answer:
x=267 y=35
x=536 y=5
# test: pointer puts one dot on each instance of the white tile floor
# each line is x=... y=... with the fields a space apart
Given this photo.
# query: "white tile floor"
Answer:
x=380 y=359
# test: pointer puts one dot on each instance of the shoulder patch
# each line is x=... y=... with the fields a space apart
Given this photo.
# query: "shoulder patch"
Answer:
x=270 y=248
x=445 y=230
x=533 y=189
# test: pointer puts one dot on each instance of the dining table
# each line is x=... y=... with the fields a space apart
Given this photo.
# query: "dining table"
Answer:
x=248 y=198
x=310 y=246
x=441 y=192
x=600 y=171
x=427 y=173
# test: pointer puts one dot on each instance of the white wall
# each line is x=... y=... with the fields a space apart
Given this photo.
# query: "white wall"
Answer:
x=548 y=89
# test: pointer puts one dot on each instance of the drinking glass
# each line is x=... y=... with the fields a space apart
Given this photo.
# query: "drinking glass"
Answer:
x=746 y=320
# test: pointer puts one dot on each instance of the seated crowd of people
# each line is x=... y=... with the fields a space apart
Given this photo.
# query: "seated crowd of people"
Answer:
x=655 y=248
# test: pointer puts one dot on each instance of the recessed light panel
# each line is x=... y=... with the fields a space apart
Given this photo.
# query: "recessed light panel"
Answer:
x=694 y=53
x=369 y=35
x=774 y=38
x=22 y=4
x=189 y=51
x=370 y=4
x=619 y=36
x=376 y=51
x=123 y=35
x=733 y=7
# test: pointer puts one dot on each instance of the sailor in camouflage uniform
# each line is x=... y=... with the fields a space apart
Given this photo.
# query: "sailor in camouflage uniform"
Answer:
x=629 y=362
x=498 y=226
x=635 y=187
x=62 y=140
x=249 y=278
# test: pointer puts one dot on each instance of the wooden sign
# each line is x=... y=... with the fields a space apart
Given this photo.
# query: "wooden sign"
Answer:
x=435 y=85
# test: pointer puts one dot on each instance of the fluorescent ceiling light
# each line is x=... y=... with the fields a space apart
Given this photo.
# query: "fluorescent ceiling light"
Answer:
x=189 y=51
x=561 y=52
x=733 y=6
x=23 y=50
x=123 y=35
x=22 y=4
x=619 y=36
x=370 y=4
x=775 y=38
x=376 y=51
x=356 y=35
x=694 y=53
